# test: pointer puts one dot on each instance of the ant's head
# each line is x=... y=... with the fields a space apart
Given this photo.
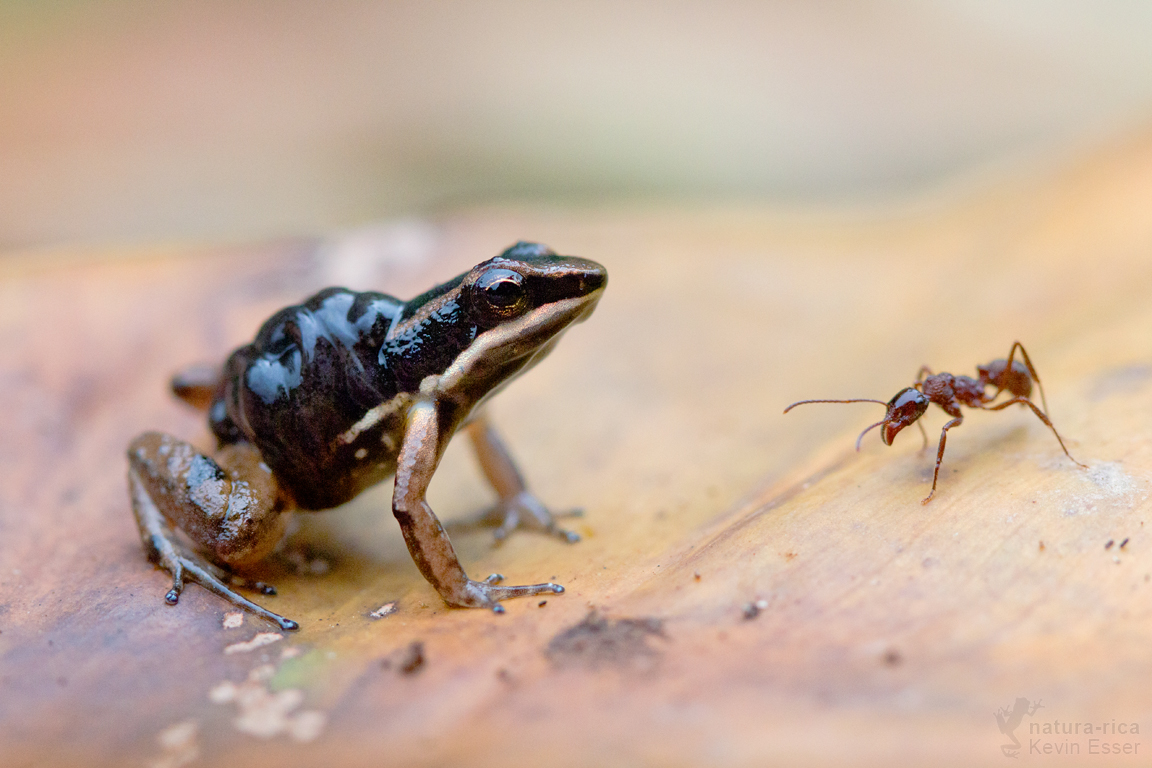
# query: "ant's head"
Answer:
x=908 y=405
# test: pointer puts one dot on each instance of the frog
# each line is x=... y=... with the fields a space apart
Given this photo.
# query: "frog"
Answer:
x=339 y=393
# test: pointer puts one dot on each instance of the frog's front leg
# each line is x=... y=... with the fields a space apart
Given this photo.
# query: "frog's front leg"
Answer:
x=229 y=508
x=424 y=443
x=517 y=506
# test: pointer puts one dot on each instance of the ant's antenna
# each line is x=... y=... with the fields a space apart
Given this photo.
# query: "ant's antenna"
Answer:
x=863 y=400
x=882 y=421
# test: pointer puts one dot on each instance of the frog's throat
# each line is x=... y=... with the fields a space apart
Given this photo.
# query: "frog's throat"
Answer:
x=504 y=352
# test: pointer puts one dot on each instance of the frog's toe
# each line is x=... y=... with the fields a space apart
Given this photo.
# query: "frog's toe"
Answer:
x=577 y=512
x=186 y=567
x=526 y=511
x=490 y=592
x=257 y=586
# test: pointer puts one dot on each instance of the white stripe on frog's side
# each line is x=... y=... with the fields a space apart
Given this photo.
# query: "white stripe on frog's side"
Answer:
x=397 y=404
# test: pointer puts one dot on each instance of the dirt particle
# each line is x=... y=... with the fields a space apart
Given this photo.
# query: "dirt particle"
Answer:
x=1109 y=544
x=789 y=555
x=601 y=642
x=893 y=657
x=752 y=610
x=233 y=620
x=542 y=603
x=1041 y=546
x=413 y=659
x=696 y=575
x=1123 y=543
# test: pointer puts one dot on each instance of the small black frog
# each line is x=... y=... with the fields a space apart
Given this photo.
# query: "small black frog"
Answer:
x=343 y=391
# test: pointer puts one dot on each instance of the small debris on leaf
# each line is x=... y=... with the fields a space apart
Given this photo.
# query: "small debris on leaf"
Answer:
x=752 y=610
x=413 y=659
x=385 y=610
x=259 y=641
x=598 y=641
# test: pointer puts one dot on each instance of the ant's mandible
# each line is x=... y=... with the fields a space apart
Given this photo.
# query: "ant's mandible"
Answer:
x=950 y=392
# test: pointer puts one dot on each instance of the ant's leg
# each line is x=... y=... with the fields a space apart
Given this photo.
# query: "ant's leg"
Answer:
x=229 y=509
x=940 y=455
x=924 y=370
x=922 y=434
x=1040 y=415
x=1031 y=371
x=517 y=505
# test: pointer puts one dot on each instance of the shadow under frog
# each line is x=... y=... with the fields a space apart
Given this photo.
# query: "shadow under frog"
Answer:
x=343 y=391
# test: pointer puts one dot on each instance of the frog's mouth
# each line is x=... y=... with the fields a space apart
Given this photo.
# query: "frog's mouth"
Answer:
x=501 y=354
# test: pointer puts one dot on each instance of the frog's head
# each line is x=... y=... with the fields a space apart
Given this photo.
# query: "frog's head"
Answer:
x=520 y=303
x=528 y=278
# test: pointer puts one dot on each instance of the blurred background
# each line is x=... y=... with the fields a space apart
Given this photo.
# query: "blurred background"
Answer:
x=145 y=121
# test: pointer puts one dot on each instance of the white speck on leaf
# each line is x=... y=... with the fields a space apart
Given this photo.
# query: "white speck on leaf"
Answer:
x=259 y=641
x=1111 y=478
x=1108 y=487
x=233 y=620
x=385 y=610
x=179 y=745
x=264 y=713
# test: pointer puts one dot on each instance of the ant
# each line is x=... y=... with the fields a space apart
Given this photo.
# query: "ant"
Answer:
x=950 y=392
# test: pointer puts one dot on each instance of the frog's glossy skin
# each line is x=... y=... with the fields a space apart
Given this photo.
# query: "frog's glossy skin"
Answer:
x=344 y=390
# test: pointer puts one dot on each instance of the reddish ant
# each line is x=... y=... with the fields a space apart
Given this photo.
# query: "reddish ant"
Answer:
x=950 y=392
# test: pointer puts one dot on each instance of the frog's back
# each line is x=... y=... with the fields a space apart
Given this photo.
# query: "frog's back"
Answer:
x=311 y=375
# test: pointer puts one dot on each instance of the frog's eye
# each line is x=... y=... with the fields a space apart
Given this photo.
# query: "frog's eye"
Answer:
x=501 y=290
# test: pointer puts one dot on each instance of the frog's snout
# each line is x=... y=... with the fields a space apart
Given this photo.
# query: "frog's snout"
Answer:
x=591 y=276
x=593 y=280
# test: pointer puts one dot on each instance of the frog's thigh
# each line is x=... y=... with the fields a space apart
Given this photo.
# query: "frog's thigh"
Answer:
x=228 y=507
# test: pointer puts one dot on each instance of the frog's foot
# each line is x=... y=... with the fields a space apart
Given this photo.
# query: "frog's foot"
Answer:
x=488 y=593
x=185 y=567
x=161 y=548
x=517 y=506
x=526 y=511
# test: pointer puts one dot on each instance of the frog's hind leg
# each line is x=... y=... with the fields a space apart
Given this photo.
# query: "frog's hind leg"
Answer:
x=230 y=509
x=517 y=505
x=197 y=385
